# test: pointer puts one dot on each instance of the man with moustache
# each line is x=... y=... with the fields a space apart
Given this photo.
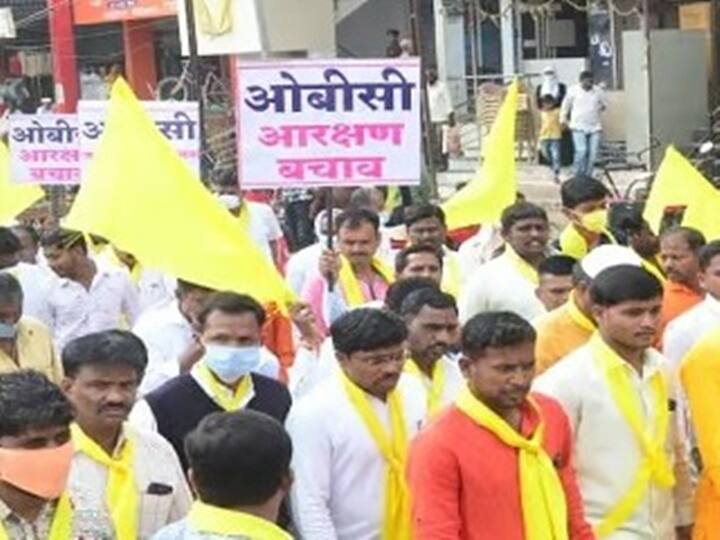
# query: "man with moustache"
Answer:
x=129 y=479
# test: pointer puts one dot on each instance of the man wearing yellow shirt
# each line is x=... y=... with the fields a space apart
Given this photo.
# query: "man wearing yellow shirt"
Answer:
x=570 y=326
x=240 y=469
x=700 y=375
x=25 y=343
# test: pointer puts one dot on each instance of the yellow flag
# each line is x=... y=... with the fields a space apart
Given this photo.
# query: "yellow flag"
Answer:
x=140 y=195
x=14 y=198
x=494 y=187
x=678 y=183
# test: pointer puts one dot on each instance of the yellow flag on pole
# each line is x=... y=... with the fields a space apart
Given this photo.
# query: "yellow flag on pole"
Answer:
x=495 y=186
x=14 y=198
x=140 y=195
x=678 y=183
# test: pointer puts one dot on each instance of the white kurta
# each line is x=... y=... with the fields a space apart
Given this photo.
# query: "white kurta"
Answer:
x=499 y=286
x=454 y=381
x=607 y=454
x=339 y=472
x=684 y=331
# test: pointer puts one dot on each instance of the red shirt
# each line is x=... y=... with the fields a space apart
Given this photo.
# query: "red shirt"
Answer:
x=464 y=482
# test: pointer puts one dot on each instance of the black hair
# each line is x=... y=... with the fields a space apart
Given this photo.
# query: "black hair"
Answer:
x=413 y=214
x=434 y=298
x=557 y=265
x=624 y=283
x=9 y=243
x=63 y=239
x=10 y=289
x=238 y=458
x=708 y=252
x=626 y=218
x=581 y=189
x=184 y=287
x=393 y=32
x=401 y=289
x=496 y=329
x=362 y=197
x=586 y=74
x=403 y=256
x=694 y=238
x=233 y=304
x=367 y=329
x=356 y=217
x=520 y=211
x=225 y=178
x=547 y=98
x=28 y=400
x=29 y=230
x=110 y=347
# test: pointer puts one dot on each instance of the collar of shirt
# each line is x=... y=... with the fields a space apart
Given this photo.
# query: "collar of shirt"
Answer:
x=40 y=525
x=101 y=274
x=652 y=360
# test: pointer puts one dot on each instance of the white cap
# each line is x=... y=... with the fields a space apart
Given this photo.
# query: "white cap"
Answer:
x=606 y=256
x=549 y=70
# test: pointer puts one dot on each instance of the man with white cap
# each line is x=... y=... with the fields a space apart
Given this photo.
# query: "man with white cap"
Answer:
x=569 y=327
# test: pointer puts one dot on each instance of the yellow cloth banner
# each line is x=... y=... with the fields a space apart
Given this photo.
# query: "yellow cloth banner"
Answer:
x=494 y=187
x=214 y=520
x=393 y=447
x=678 y=183
x=650 y=434
x=14 y=198
x=122 y=492
x=541 y=493
x=214 y=17
x=351 y=285
x=140 y=195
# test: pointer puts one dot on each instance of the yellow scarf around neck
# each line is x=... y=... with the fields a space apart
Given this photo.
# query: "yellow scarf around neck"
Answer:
x=451 y=275
x=525 y=269
x=543 y=498
x=222 y=395
x=578 y=317
x=351 y=285
x=122 y=492
x=650 y=435
x=393 y=447
x=61 y=527
x=436 y=387
x=211 y=519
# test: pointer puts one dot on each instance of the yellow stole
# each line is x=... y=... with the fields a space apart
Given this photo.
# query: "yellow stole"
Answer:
x=222 y=395
x=121 y=492
x=351 y=285
x=451 y=275
x=650 y=435
x=526 y=270
x=541 y=492
x=573 y=244
x=436 y=387
x=393 y=447
x=61 y=527
x=578 y=317
x=224 y=522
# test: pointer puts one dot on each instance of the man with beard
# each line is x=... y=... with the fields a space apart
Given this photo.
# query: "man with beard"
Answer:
x=129 y=479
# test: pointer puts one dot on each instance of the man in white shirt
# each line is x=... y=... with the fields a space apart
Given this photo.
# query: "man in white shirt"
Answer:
x=440 y=105
x=433 y=330
x=123 y=480
x=258 y=219
x=580 y=111
x=86 y=298
x=683 y=332
x=620 y=400
x=508 y=282
x=341 y=470
x=35 y=280
x=303 y=264
x=426 y=225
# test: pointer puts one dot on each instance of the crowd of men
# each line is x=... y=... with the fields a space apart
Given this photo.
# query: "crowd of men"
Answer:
x=526 y=386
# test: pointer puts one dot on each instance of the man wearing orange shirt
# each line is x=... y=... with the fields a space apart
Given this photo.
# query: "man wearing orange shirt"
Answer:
x=679 y=256
x=498 y=463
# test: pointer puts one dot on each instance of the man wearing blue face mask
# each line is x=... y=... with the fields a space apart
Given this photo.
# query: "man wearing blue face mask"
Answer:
x=223 y=380
x=25 y=343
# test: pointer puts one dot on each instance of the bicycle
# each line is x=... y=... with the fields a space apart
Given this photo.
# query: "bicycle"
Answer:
x=213 y=90
x=615 y=158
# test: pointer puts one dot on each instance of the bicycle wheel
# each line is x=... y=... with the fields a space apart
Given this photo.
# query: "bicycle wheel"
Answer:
x=172 y=89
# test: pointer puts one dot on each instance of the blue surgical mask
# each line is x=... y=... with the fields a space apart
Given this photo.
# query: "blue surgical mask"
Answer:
x=7 y=331
x=231 y=363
